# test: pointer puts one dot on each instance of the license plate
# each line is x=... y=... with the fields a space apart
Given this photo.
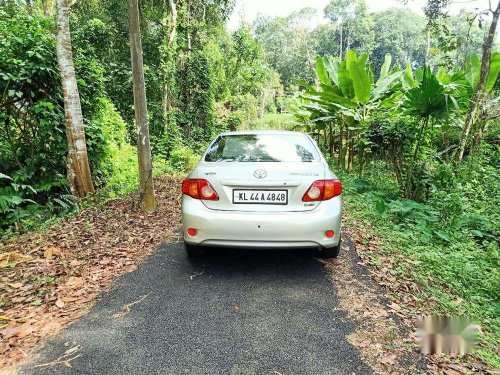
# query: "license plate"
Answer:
x=250 y=196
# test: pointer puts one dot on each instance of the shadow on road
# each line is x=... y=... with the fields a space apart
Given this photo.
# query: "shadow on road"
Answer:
x=261 y=265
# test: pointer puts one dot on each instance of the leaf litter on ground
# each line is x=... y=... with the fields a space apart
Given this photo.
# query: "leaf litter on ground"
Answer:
x=48 y=279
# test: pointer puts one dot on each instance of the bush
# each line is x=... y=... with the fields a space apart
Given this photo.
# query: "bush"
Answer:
x=106 y=136
x=32 y=137
x=125 y=170
x=33 y=143
x=183 y=159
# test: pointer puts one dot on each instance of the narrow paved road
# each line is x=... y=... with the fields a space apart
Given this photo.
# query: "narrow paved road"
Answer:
x=230 y=312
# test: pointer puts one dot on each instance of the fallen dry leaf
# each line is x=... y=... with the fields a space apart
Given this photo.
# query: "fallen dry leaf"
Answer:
x=12 y=257
x=395 y=306
x=75 y=282
x=389 y=359
x=70 y=299
x=52 y=251
x=60 y=303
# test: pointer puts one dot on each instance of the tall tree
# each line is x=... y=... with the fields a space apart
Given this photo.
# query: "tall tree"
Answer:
x=347 y=15
x=399 y=32
x=147 y=194
x=480 y=90
x=288 y=44
x=168 y=60
x=79 y=177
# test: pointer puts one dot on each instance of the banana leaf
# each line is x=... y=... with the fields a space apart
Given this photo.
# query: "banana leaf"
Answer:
x=384 y=69
x=361 y=81
x=321 y=71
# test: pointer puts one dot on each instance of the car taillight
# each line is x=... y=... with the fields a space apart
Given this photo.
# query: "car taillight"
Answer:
x=199 y=189
x=323 y=190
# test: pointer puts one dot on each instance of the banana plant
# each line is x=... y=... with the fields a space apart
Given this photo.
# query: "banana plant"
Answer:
x=347 y=94
x=473 y=70
x=348 y=86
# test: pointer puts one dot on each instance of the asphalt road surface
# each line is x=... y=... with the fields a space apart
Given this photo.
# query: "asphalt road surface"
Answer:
x=229 y=312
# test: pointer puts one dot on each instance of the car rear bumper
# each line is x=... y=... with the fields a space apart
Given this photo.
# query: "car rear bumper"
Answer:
x=262 y=229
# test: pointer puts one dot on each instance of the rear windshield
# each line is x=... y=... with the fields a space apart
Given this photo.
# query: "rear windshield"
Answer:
x=262 y=148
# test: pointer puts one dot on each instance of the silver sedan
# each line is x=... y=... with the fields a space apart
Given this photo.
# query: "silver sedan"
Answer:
x=262 y=189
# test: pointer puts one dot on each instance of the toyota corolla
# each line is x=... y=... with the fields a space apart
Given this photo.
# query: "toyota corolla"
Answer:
x=262 y=189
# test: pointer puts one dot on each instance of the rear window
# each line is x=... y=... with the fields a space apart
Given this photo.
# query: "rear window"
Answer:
x=262 y=148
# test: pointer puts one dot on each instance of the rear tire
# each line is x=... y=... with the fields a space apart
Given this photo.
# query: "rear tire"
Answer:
x=193 y=250
x=330 y=252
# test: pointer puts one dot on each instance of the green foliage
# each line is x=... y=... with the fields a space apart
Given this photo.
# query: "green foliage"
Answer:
x=454 y=38
x=399 y=32
x=209 y=80
x=288 y=45
x=12 y=201
x=123 y=178
x=32 y=138
x=474 y=69
x=198 y=97
x=183 y=159
x=451 y=240
x=32 y=132
x=106 y=134
x=401 y=130
x=409 y=111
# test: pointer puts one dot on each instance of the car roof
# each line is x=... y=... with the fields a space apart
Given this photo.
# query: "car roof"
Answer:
x=277 y=132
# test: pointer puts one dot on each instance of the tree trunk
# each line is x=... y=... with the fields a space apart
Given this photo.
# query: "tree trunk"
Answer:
x=147 y=194
x=361 y=161
x=341 y=146
x=262 y=104
x=350 y=151
x=330 y=140
x=78 y=173
x=312 y=67
x=428 y=47
x=173 y=9
x=45 y=8
x=166 y=103
x=188 y=27
x=480 y=89
x=340 y=45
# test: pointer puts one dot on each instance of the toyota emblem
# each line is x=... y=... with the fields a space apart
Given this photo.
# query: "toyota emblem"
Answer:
x=260 y=173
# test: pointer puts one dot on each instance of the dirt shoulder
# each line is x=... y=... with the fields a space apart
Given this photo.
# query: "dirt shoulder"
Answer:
x=48 y=279
x=384 y=342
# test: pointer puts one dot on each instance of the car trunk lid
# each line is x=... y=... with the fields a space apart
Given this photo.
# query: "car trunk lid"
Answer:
x=261 y=186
